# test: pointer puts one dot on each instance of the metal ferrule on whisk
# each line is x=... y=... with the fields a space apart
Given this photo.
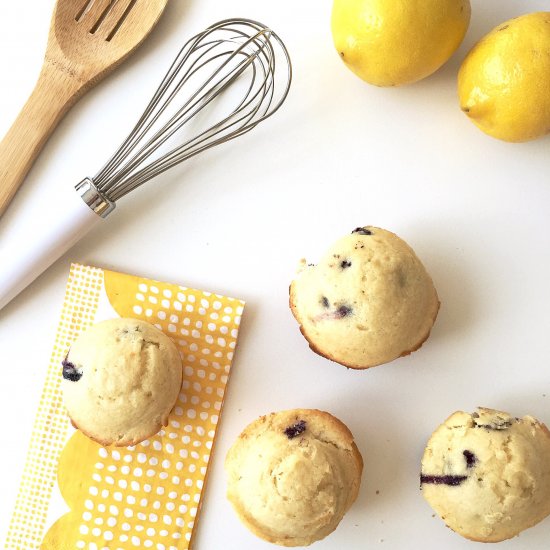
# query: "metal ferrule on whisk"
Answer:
x=96 y=200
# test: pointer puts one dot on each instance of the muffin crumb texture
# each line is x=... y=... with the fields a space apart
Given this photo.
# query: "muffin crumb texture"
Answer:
x=121 y=378
x=292 y=476
x=487 y=474
x=367 y=302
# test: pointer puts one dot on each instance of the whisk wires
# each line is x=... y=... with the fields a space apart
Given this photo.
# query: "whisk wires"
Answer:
x=209 y=65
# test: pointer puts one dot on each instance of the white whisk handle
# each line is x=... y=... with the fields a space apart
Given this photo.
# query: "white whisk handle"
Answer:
x=40 y=236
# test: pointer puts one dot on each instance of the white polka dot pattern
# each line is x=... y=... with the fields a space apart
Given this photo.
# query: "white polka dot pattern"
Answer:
x=50 y=426
x=147 y=496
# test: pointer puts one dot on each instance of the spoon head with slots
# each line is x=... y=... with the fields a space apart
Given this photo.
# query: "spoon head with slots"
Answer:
x=89 y=38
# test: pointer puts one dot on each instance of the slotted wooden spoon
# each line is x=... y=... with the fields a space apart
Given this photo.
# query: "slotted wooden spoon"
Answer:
x=87 y=40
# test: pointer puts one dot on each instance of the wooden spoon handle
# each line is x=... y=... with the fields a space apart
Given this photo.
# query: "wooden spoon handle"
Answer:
x=55 y=91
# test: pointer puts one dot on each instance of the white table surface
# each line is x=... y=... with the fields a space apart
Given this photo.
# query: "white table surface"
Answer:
x=339 y=154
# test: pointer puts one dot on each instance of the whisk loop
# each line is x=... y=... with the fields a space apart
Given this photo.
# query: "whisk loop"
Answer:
x=237 y=67
x=207 y=66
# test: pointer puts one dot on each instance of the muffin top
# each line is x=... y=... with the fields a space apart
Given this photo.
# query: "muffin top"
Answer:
x=292 y=475
x=367 y=302
x=487 y=474
x=121 y=378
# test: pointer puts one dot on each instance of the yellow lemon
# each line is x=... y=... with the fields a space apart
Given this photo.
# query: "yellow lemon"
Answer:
x=504 y=82
x=393 y=42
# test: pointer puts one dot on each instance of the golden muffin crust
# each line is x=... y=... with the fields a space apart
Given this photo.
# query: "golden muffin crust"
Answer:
x=292 y=475
x=368 y=301
x=487 y=474
x=121 y=379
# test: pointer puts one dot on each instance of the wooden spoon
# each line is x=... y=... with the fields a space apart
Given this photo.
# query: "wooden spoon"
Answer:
x=87 y=40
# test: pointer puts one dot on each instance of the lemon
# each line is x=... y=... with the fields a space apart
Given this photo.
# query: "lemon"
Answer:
x=504 y=82
x=394 y=42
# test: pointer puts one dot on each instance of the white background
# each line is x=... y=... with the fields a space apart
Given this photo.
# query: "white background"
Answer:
x=339 y=154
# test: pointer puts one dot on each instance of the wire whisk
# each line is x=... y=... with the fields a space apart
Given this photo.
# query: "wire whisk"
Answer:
x=206 y=67
x=224 y=81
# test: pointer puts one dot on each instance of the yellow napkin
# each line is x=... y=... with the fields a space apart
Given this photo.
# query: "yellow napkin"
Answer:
x=147 y=496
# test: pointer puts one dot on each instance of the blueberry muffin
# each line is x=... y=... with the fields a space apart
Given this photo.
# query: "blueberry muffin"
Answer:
x=121 y=379
x=487 y=474
x=292 y=476
x=367 y=302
